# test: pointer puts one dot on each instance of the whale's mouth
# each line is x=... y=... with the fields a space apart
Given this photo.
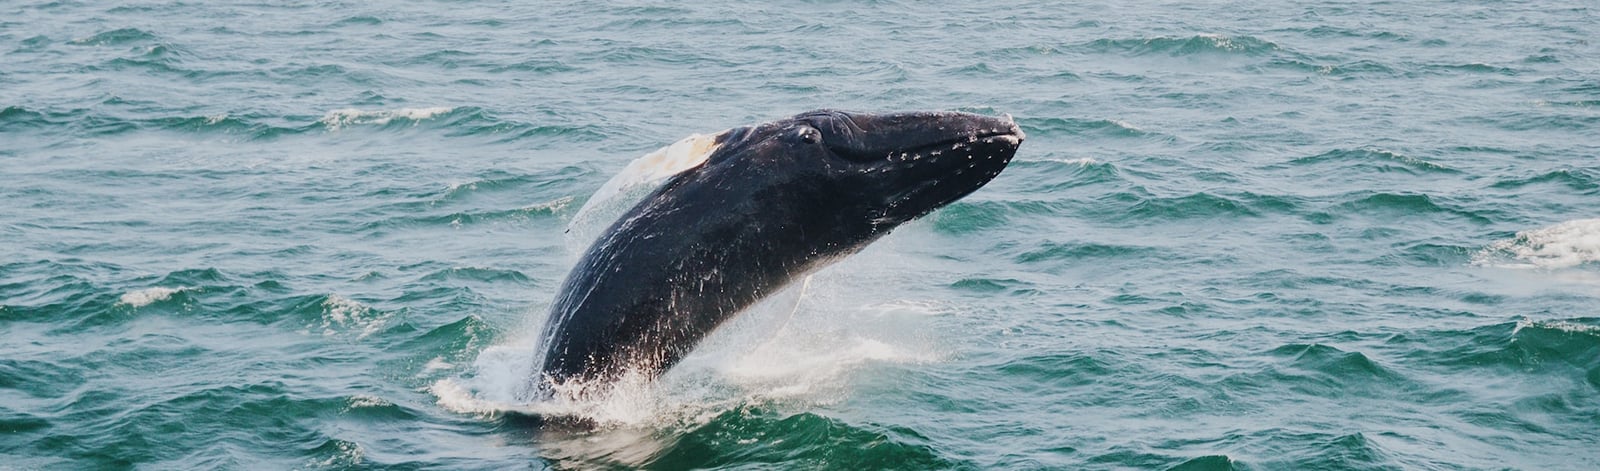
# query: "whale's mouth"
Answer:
x=982 y=144
x=993 y=134
x=935 y=175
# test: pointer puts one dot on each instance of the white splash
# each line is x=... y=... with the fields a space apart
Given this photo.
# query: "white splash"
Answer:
x=792 y=348
x=436 y=364
x=367 y=400
x=338 y=119
x=1564 y=326
x=638 y=178
x=1083 y=162
x=1125 y=125
x=345 y=313
x=1565 y=245
x=347 y=454
x=147 y=296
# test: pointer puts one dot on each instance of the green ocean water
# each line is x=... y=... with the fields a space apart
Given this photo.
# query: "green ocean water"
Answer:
x=323 y=235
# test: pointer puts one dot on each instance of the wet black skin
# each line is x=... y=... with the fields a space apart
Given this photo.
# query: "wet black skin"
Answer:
x=774 y=202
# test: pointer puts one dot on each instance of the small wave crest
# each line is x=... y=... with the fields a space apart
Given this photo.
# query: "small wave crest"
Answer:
x=148 y=296
x=1566 y=245
x=1186 y=45
x=1373 y=159
x=1562 y=326
x=114 y=37
x=338 y=119
x=345 y=314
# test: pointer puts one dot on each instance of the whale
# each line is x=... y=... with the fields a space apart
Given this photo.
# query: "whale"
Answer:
x=743 y=213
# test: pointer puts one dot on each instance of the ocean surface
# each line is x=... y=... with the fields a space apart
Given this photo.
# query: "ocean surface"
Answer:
x=1241 y=235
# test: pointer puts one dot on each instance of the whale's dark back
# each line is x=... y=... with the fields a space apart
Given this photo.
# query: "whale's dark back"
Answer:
x=771 y=203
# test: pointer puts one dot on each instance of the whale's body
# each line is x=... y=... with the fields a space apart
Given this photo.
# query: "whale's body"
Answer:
x=752 y=209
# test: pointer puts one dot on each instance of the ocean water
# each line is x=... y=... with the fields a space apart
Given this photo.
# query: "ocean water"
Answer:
x=322 y=235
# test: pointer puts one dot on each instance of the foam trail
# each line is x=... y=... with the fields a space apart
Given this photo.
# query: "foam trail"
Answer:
x=1565 y=245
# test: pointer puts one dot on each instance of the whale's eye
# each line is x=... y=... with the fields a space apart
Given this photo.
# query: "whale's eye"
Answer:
x=809 y=135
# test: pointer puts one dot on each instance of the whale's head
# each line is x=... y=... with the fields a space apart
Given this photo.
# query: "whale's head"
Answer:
x=877 y=169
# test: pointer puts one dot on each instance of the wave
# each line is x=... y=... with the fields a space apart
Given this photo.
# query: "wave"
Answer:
x=1177 y=46
x=1474 y=68
x=1196 y=205
x=466 y=218
x=452 y=121
x=337 y=119
x=804 y=440
x=1561 y=352
x=537 y=66
x=969 y=217
x=1318 y=370
x=1108 y=128
x=147 y=296
x=1402 y=204
x=1083 y=251
x=1543 y=120
x=481 y=274
x=14 y=117
x=359 y=20
x=1053 y=175
x=1370 y=159
x=1569 y=244
x=1327 y=31
x=114 y=37
x=1580 y=179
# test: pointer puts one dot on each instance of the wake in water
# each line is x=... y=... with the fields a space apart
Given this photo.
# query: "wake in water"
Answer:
x=1566 y=245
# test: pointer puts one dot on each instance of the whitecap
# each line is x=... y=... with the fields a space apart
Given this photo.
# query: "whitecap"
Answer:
x=337 y=119
x=367 y=400
x=1560 y=325
x=343 y=313
x=1082 y=162
x=147 y=296
x=1565 y=245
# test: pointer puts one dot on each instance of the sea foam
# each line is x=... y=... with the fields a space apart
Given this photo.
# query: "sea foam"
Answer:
x=787 y=349
x=1565 y=245
x=148 y=296
x=338 y=119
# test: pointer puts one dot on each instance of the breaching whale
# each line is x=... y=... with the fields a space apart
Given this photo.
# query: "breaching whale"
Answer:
x=745 y=212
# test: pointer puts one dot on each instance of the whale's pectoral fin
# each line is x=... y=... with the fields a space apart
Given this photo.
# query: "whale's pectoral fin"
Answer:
x=647 y=172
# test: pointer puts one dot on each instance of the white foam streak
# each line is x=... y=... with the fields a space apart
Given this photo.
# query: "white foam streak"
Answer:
x=1565 y=245
x=345 y=313
x=1085 y=161
x=337 y=119
x=1561 y=325
x=148 y=296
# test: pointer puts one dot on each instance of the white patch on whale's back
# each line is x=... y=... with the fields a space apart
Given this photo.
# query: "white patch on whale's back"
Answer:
x=633 y=182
